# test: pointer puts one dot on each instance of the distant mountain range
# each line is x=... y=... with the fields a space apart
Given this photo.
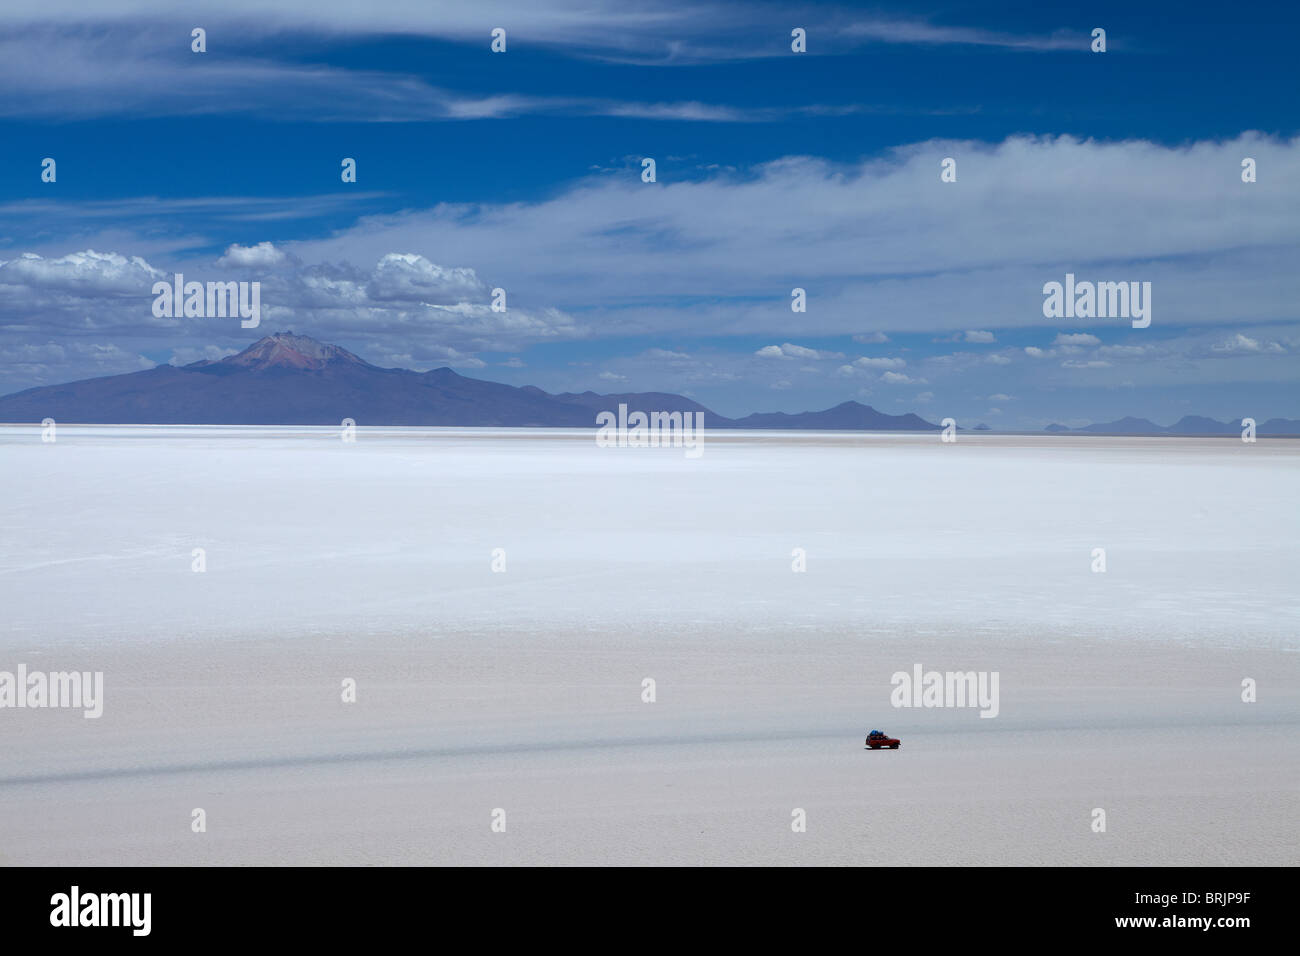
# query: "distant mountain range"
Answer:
x=1187 y=425
x=288 y=379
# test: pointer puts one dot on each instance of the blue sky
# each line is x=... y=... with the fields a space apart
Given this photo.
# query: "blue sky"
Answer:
x=521 y=170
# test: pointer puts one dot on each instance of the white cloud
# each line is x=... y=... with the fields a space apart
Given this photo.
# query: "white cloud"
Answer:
x=129 y=64
x=981 y=338
x=410 y=311
x=52 y=363
x=85 y=273
x=1076 y=338
x=1244 y=343
x=644 y=32
x=1206 y=266
x=790 y=351
x=866 y=362
x=1230 y=268
x=898 y=378
x=189 y=354
x=666 y=354
x=262 y=255
x=424 y=357
x=920 y=32
x=412 y=278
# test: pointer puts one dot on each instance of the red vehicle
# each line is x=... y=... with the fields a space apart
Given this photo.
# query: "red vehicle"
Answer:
x=876 y=739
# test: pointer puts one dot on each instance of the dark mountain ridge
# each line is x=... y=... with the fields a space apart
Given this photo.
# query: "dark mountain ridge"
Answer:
x=288 y=379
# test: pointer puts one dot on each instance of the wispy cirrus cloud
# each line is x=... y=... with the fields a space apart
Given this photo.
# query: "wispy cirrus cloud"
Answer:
x=77 y=74
x=930 y=34
x=72 y=61
x=641 y=31
x=81 y=74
